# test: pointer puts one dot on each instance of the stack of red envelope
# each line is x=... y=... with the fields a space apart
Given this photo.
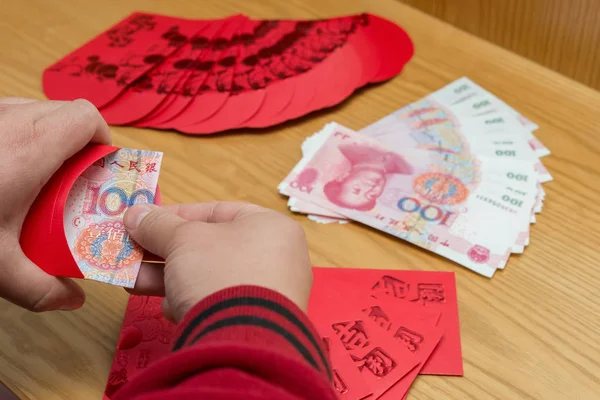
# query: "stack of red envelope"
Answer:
x=206 y=76
x=382 y=328
x=385 y=327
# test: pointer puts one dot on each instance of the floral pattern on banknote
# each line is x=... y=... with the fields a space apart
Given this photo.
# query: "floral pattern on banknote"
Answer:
x=94 y=212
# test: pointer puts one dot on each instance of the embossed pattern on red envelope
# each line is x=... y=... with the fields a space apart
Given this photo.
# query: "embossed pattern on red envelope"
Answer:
x=418 y=332
x=146 y=336
x=408 y=291
x=347 y=379
x=378 y=357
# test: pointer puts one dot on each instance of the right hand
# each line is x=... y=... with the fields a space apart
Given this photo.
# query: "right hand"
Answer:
x=212 y=246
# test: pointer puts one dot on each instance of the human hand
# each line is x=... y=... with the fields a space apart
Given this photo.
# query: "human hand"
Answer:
x=36 y=137
x=212 y=246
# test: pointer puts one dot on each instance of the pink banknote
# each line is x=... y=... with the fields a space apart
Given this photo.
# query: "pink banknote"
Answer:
x=427 y=124
x=462 y=90
x=94 y=211
x=446 y=206
x=518 y=175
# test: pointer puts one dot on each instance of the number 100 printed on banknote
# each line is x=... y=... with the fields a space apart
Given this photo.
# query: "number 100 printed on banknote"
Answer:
x=94 y=210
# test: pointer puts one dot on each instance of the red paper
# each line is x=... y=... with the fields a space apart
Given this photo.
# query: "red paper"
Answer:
x=244 y=100
x=145 y=337
x=344 y=58
x=140 y=100
x=216 y=87
x=43 y=237
x=184 y=93
x=369 y=55
x=378 y=357
x=409 y=290
x=347 y=379
x=417 y=332
x=109 y=63
x=395 y=46
x=208 y=76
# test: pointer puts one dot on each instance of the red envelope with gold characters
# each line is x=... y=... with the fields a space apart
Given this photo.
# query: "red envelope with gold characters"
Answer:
x=75 y=226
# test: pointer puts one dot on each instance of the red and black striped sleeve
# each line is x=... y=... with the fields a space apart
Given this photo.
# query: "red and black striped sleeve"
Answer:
x=244 y=342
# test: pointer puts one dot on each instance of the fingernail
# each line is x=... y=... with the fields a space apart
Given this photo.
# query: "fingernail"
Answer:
x=73 y=304
x=135 y=215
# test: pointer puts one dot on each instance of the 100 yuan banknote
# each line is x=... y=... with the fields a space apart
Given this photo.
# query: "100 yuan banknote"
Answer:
x=94 y=212
x=455 y=212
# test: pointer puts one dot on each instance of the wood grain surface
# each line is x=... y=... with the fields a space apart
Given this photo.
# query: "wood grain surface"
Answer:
x=561 y=35
x=531 y=332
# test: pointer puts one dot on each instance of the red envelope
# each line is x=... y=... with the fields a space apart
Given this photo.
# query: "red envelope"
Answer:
x=346 y=58
x=177 y=101
x=347 y=379
x=278 y=96
x=406 y=290
x=378 y=357
x=208 y=76
x=395 y=46
x=105 y=66
x=257 y=89
x=369 y=55
x=145 y=337
x=140 y=101
x=216 y=87
x=43 y=237
x=244 y=100
x=419 y=335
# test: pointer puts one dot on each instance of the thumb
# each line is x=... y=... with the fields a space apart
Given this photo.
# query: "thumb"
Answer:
x=24 y=284
x=152 y=227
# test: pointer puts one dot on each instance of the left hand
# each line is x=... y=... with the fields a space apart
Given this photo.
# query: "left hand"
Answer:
x=36 y=137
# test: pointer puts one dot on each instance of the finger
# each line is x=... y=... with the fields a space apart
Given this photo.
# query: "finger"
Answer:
x=67 y=129
x=168 y=311
x=7 y=103
x=152 y=258
x=214 y=212
x=150 y=280
x=16 y=100
x=33 y=110
x=23 y=283
x=152 y=227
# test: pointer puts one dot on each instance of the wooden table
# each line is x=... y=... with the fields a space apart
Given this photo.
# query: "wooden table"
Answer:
x=532 y=332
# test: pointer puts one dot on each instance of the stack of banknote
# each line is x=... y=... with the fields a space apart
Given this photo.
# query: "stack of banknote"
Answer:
x=457 y=173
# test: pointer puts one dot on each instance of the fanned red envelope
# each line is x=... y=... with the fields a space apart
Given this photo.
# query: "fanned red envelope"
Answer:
x=104 y=67
x=206 y=76
x=43 y=238
x=145 y=337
